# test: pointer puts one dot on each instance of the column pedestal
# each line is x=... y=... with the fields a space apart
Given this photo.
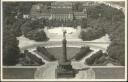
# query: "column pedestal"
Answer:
x=65 y=71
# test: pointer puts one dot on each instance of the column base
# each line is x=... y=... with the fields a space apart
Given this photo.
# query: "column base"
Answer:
x=64 y=71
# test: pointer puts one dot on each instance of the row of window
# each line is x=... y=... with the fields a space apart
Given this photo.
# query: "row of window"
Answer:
x=61 y=7
x=62 y=17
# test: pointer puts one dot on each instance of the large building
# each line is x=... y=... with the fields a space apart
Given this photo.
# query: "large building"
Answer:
x=57 y=10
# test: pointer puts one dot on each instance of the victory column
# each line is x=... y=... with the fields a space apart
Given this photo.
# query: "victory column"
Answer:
x=64 y=68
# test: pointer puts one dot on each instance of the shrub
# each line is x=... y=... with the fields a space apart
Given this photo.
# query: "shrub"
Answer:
x=34 y=30
x=92 y=34
x=82 y=53
x=29 y=59
x=37 y=35
x=91 y=60
x=101 y=60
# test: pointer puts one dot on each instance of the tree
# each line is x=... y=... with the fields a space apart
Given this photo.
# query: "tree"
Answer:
x=84 y=23
x=13 y=14
x=33 y=29
x=77 y=7
x=37 y=35
x=10 y=48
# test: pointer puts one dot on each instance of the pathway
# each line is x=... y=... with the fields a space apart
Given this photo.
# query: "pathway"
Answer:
x=47 y=71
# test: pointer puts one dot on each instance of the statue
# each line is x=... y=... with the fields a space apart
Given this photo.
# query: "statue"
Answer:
x=64 y=34
x=64 y=69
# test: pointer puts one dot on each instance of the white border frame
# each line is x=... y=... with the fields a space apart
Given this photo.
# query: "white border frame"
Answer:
x=65 y=79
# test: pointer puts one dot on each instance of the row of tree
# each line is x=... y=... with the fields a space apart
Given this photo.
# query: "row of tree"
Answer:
x=60 y=22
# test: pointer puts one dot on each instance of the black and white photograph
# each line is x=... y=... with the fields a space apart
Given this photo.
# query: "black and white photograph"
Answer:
x=54 y=40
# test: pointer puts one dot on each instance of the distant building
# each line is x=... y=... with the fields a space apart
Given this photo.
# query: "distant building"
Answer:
x=90 y=3
x=57 y=10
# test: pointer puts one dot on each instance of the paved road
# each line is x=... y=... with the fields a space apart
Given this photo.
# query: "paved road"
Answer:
x=101 y=45
x=48 y=71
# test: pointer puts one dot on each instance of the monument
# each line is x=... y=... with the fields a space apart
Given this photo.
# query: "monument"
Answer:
x=64 y=68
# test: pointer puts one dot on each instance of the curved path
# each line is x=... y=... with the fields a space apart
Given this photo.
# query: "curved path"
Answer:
x=47 y=71
x=25 y=43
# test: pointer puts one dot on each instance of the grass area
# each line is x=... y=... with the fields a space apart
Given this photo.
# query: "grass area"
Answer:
x=18 y=73
x=109 y=73
x=58 y=51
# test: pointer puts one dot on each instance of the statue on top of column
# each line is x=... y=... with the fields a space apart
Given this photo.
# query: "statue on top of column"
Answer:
x=64 y=68
x=64 y=34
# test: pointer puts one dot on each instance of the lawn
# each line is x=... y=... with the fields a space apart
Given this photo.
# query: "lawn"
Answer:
x=18 y=73
x=109 y=73
x=58 y=51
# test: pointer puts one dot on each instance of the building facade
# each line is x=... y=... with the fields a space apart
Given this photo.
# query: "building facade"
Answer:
x=57 y=10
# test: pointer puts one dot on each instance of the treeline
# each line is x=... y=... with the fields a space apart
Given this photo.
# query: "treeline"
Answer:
x=12 y=21
x=57 y=23
x=61 y=22
x=103 y=20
